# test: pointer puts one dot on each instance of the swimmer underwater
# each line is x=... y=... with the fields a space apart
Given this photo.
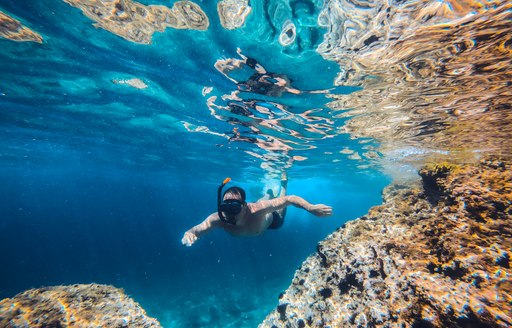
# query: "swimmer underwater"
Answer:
x=240 y=218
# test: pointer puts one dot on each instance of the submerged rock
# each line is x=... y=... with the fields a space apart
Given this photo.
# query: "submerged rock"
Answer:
x=436 y=253
x=74 y=306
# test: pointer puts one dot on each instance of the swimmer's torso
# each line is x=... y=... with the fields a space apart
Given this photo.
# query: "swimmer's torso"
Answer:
x=252 y=224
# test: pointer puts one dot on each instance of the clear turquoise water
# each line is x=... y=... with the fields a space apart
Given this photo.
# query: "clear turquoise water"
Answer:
x=100 y=180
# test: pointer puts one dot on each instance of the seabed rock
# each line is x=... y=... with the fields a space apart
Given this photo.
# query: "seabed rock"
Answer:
x=90 y=305
x=435 y=254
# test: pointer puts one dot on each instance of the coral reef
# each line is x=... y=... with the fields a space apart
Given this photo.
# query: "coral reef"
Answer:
x=435 y=254
x=431 y=71
x=233 y=13
x=74 y=306
x=12 y=29
x=136 y=22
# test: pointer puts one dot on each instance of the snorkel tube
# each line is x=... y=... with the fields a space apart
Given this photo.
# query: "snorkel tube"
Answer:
x=219 y=201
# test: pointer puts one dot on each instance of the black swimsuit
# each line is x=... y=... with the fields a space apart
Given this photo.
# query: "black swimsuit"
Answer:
x=277 y=220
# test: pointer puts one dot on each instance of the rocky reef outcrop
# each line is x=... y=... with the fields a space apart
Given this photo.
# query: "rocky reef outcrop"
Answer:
x=90 y=305
x=435 y=254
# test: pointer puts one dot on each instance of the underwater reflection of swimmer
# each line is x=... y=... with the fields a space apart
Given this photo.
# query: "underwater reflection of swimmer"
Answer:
x=257 y=109
x=266 y=83
x=261 y=81
x=240 y=218
x=239 y=109
x=237 y=136
x=269 y=144
x=256 y=125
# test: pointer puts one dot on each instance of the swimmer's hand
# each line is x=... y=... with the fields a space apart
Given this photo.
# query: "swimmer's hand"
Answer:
x=320 y=210
x=188 y=239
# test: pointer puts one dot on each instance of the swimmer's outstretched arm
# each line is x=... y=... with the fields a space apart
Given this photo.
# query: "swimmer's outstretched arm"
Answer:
x=276 y=204
x=201 y=229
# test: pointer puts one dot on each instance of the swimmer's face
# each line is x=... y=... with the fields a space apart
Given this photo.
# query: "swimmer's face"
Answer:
x=232 y=206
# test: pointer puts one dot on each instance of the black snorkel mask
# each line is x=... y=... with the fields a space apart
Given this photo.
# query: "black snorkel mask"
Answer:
x=229 y=206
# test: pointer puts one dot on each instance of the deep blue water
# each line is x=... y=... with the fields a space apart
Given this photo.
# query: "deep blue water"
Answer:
x=99 y=180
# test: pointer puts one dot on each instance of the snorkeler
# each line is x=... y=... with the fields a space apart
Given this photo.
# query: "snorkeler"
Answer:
x=240 y=218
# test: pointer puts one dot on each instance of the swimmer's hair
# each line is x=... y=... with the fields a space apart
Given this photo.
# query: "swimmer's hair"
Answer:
x=235 y=192
x=251 y=62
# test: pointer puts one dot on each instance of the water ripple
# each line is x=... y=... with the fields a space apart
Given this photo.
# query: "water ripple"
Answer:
x=434 y=75
x=267 y=111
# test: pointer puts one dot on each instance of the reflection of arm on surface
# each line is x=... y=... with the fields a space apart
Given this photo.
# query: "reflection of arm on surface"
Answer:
x=283 y=81
x=225 y=66
x=200 y=230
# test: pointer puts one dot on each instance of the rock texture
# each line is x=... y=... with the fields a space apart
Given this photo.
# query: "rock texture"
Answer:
x=73 y=306
x=435 y=254
x=12 y=29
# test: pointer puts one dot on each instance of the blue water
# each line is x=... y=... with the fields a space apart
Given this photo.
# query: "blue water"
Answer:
x=99 y=180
